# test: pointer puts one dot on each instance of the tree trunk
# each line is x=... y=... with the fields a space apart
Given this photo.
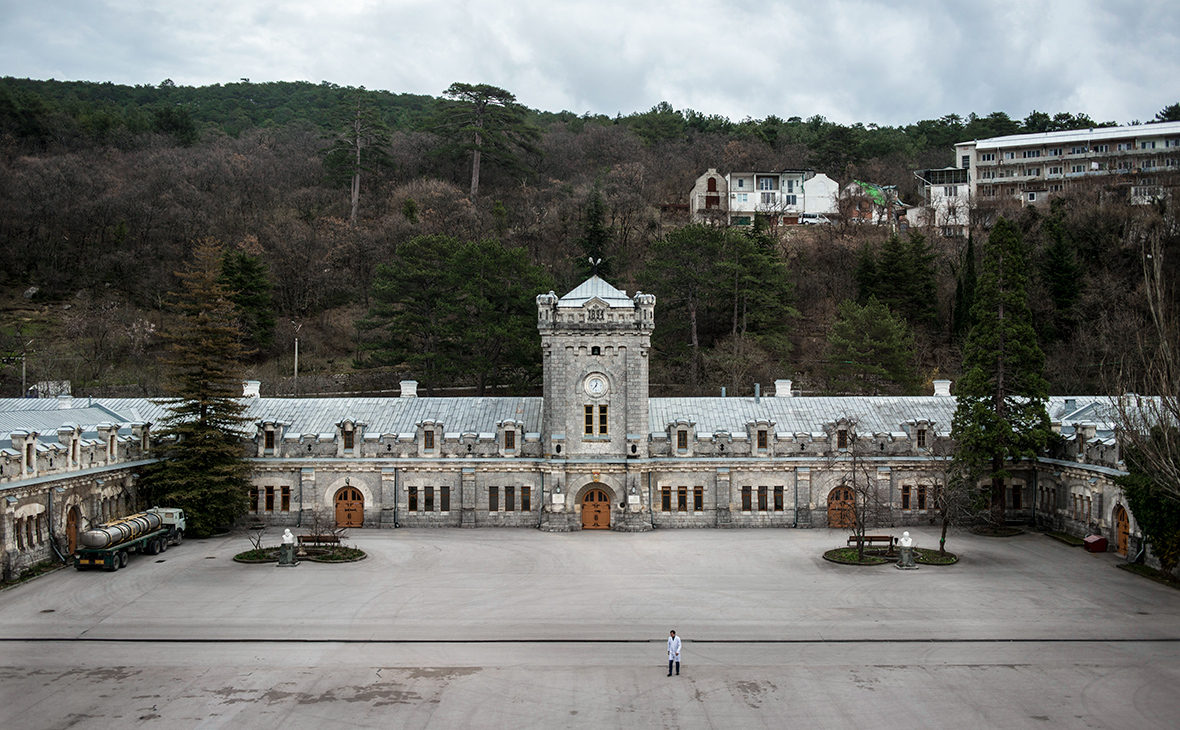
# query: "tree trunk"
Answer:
x=997 y=492
x=696 y=345
x=356 y=197
x=475 y=166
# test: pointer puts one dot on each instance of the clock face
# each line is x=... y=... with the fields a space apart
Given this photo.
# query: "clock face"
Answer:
x=596 y=385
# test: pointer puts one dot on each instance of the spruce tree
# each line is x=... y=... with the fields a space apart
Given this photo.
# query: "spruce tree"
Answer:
x=871 y=350
x=1062 y=275
x=202 y=468
x=961 y=320
x=1001 y=412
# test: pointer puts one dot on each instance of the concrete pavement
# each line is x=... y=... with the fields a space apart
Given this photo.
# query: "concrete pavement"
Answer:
x=516 y=628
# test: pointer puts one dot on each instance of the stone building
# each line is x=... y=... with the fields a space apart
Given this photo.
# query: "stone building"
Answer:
x=595 y=452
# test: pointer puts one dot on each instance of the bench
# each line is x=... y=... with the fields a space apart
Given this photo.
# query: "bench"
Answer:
x=869 y=540
x=319 y=539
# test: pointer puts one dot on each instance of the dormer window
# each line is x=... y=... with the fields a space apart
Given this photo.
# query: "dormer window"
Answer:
x=270 y=440
x=682 y=440
x=428 y=440
x=921 y=438
x=842 y=439
x=348 y=440
x=510 y=440
x=761 y=439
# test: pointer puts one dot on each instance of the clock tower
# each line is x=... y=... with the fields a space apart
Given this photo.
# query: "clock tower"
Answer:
x=595 y=343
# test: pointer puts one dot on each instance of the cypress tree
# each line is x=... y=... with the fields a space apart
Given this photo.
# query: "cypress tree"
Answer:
x=965 y=293
x=1001 y=412
x=866 y=275
x=202 y=468
x=245 y=278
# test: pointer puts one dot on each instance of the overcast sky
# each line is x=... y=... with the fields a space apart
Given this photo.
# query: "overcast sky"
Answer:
x=848 y=60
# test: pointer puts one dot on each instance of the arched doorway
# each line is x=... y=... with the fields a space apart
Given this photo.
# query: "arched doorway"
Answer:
x=350 y=507
x=842 y=508
x=1122 y=527
x=72 y=520
x=596 y=510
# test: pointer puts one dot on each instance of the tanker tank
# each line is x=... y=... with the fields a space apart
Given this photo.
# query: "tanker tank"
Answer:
x=122 y=530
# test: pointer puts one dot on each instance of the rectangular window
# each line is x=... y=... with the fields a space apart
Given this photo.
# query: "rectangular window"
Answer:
x=1125 y=146
x=270 y=440
x=1172 y=143
x=1055 y=152
x=746 y=501
x=1031 y=153
x=768 y=198
x=1078 y=150
x=526 y=504
x=1033 y=172
x=1102 y=148
x=1147 y=145
x=20 y=535
x=413 y=499
x=285 y=499
x=509 y=499
x=921 y=497
x=682 y=440
x=791 y=200
x=348 y=440
x=741 y=183
x=444 y=499
x=493 y=499
x=510 y=440
x=841 y=439
x=766 y=183
x=762 y=439
x=1016 y=496
x=698 y=499
x=602 y=421
x=682 y=499
x=743 y=197
x=253 y=499
x=778 y=499
x=1009 y=155
x=1077 y=168
x=905 y=497
x=428 y=499
x=965 y=161
x=921 y=438
x=270 y=499
x=589 y=427
x=666 y=499
x=1055 y=170
x=987 y=156
x=762 y=499
x=950 y=191
x=428 y=440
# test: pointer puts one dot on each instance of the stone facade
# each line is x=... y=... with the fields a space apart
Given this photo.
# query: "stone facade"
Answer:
x=595 y=444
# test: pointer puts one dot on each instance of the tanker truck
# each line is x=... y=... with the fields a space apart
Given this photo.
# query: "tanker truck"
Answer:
x=107 y=546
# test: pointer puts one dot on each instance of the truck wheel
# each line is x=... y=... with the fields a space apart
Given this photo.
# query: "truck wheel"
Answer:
x=151 y=548
x=114 y=563
x=164 y=544
x=179 y=538
x=123 y=560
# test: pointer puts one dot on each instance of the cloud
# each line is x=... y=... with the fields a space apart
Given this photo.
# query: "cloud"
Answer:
x=848 y=60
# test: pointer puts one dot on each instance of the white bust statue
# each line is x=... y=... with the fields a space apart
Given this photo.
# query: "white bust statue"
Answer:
x=906 y=541
x=289 y=539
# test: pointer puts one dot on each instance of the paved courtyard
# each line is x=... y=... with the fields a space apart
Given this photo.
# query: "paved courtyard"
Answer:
x=521 y=629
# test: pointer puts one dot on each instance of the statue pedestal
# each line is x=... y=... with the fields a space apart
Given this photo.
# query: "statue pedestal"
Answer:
x=287 y=556
x=906 y=561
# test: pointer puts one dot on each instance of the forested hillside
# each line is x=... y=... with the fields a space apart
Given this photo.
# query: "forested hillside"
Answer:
x=344 y=210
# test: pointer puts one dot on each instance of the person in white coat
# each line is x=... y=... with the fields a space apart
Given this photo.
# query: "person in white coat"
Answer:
x=673 y=652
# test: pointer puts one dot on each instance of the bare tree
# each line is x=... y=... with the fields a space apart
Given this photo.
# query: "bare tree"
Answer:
x=953 y=485
x=857 y=473
x=1151 y=425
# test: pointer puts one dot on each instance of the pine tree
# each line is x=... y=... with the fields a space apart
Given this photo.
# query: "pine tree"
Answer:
x=245 y=278
x=1062 y=275
x=360 y=146
x=596 y=236
x=1001 y=412
x=961 y=320
x=921 y=289
x=866 y=274
x=202 y=468
x=487 y=122
x=871 y=350
x=902 y=278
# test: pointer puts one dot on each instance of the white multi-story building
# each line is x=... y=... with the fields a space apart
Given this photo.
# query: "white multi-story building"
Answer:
x=1031 y=167
x=946 y=201
x=785 y=197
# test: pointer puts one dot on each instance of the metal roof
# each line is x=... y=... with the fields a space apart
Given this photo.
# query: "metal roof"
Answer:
x=595 y=287
x=1096 y=134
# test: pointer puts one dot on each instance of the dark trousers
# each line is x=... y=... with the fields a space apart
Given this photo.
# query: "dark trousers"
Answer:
x=670 y=663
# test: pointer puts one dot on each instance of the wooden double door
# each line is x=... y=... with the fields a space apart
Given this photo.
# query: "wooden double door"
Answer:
x=350 y=508
x=842 y=508
x=596 y=510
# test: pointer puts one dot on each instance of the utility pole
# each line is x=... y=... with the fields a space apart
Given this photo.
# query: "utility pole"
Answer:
x=296 y=325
